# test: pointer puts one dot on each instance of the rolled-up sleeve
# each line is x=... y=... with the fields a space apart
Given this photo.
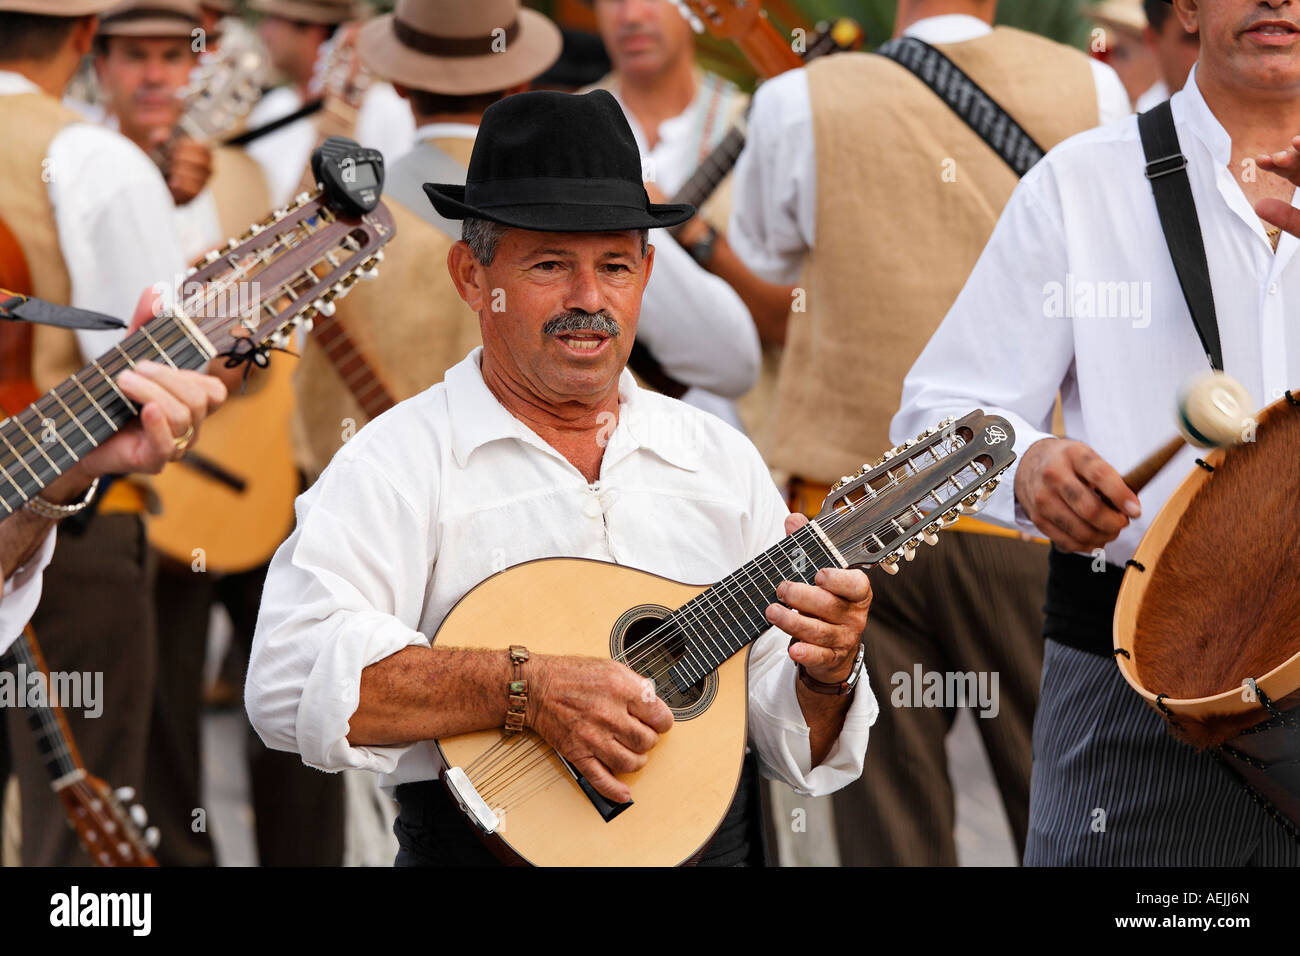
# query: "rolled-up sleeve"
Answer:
x=22 y=593
x=344 y=591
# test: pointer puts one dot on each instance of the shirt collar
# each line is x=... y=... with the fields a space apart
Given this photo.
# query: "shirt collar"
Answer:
x=948 y=28
x=477 y=419
x=1191 y=110
x=445 y=131
x=11 y=83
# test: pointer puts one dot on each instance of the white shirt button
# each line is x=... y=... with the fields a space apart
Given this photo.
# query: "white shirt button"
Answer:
x=1272 y=288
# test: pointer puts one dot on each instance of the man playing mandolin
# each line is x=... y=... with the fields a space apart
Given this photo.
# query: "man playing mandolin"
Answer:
x=541 y=445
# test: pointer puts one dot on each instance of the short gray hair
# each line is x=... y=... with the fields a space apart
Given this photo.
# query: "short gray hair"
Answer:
x=483 y=235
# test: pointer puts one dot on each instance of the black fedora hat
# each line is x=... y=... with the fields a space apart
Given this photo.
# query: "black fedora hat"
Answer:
x=556 y=162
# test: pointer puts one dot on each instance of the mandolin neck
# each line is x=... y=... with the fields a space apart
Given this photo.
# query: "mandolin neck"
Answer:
x=57 y=430
x=729 y=616
x=47 y=723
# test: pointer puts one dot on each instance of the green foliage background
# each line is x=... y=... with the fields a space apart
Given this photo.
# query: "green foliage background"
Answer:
x=1058 y=19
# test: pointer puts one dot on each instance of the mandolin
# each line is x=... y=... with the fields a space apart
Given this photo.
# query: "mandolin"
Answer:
x=108 y=831
x=532 y=807
x=241 y=301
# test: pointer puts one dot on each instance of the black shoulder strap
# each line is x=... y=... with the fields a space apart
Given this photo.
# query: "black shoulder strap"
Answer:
x=964 y=97
x=1167 y=170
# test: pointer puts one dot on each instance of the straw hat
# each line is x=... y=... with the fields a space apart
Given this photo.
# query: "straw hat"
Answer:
x=56 y=8
x=458 y=47
x=1126 y=16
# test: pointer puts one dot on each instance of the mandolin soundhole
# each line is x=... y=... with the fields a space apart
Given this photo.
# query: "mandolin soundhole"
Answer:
x=642 y=641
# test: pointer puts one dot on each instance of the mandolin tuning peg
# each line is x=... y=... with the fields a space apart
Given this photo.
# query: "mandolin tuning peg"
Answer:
x=152 y=837
x=367 y=275
x=138 y=815
x=889 y=565
x=949 y=518
x=324 y=306
x=125 y=794
x=909 y=551
x=302 y=199
x=988 y=490
x=929 y=537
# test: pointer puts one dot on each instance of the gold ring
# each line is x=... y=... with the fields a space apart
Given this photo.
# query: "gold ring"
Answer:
x=183 y=442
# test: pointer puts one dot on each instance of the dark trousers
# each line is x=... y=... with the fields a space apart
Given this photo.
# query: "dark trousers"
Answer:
x=298 y=811
x=973 y=605
x=96 y=614
x=1111 y=785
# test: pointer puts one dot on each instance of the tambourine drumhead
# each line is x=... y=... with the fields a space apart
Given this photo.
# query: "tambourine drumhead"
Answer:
x=1218 y=599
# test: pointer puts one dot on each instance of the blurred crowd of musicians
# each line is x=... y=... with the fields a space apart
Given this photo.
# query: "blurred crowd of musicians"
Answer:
x=870 y=266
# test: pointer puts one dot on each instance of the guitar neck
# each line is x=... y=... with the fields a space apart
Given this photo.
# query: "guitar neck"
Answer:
x=48 y=725
x=76 y=417
x=355 y=370
x=729 y=616
x=713 y=170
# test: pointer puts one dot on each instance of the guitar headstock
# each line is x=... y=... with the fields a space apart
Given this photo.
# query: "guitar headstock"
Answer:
x=290 y=268
x=881 y=514
x=339 y=72
x=222 y=89
x=110 y=833
x=725 y=19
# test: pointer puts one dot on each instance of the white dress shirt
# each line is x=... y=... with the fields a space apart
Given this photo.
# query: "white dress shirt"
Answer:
x=692 y=321
x=1082 y=225
x=22 y=593
x=114 y=216
x=447 y=488
x=384 y=123
x=774 y=213
x=1152 y=98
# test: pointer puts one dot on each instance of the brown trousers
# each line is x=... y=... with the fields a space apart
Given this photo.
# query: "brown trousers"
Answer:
x=971 y=604
x=96 y=614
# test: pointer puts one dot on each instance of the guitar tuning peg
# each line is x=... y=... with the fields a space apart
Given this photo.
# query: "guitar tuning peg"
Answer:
x=929 y=537
x=988 y=490
x=909 y=443
x=909 y=551
x=888 y=455
x=367 y=274
x=949 y=518
x=301 y=199
x=125 y=794
x=306 y=323
x=324 y=306
x=152 y=837
x=138 y=815
x=890 y=565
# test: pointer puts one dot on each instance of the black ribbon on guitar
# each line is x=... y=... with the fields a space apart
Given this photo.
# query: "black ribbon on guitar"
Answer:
x=21 y=308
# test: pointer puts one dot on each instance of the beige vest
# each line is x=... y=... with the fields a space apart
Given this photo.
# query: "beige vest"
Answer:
x=31 y=121
x=907 y=197
x=239 y=190
x=410 y=324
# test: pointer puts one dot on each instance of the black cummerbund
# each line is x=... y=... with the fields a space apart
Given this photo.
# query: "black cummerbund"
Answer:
x=1080 y=607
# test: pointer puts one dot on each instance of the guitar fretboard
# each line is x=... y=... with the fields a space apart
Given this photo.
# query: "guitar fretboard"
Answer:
x=730 y=615
x=45 y=720
x=713 y=170
x=58 y=429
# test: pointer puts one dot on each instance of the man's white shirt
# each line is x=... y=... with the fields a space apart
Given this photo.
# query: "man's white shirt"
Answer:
x=384 y=122
x=774 y=214
x=1076 y=290
x=448 y=488
x=22 y=593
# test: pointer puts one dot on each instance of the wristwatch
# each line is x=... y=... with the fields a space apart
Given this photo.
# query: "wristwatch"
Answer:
x=842 y=688
x=702 y=251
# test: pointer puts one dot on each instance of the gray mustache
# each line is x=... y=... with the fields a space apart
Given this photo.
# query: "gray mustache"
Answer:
x=578 y=321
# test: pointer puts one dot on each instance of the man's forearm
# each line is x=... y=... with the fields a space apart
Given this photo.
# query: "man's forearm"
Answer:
x=422 y=693
x=824 y=716
x=22 y=532
x=768 y=303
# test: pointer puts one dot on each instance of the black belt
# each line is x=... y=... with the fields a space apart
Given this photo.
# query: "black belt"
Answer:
x=1080 y=607
x=432 y=830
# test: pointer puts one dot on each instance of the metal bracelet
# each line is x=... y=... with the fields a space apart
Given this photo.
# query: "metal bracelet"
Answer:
x=47 y=509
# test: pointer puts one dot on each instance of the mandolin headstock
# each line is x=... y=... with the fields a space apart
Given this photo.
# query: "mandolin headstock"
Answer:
x=222 y=89
x=883 y=512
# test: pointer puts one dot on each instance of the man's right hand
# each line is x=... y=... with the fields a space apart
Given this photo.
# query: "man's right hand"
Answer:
x=599 y=714
x=1057 y=483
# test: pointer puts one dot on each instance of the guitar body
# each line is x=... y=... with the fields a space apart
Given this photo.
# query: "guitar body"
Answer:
x=249 y=439
x=576 y=606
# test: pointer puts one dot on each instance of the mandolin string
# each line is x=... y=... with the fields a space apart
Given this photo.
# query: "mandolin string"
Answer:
x=646 y=647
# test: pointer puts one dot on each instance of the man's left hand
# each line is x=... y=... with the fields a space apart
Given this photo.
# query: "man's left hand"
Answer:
x=827 y=618
x=189 y=167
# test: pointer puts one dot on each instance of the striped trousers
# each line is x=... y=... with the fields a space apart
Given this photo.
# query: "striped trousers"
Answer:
x=1111 y=787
